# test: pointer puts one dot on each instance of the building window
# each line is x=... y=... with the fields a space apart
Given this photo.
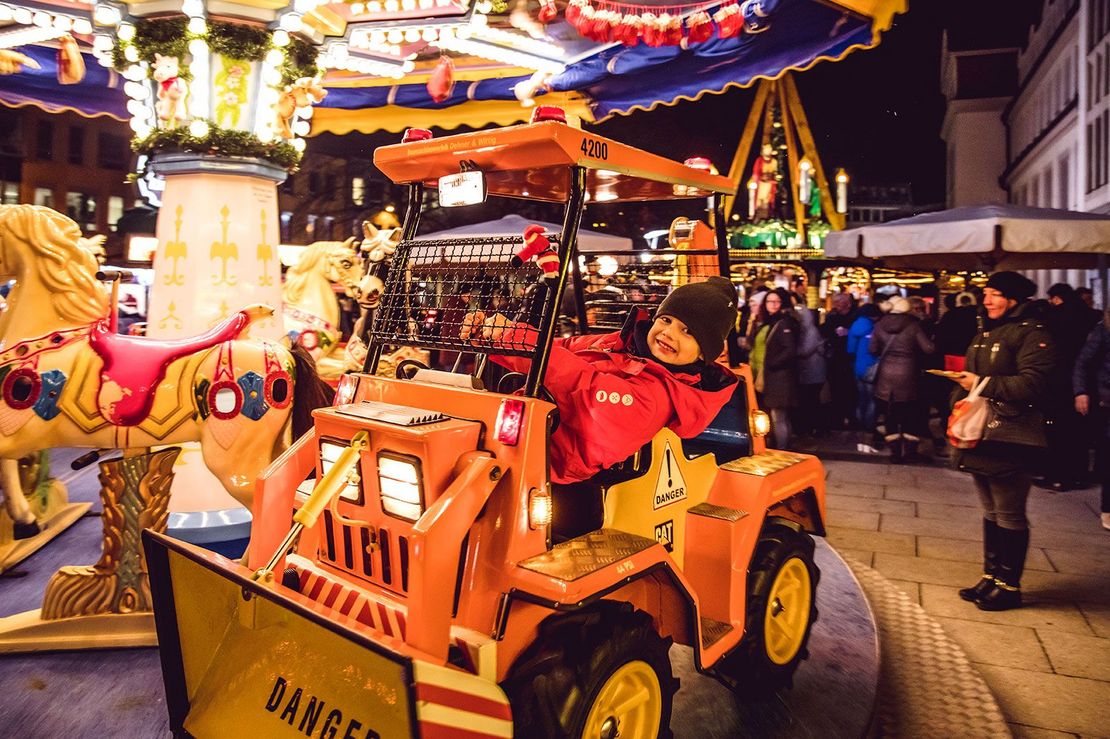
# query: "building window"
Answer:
x=310 y=227
x=115 y=210
x=76 y=145
x=358 y=191
x=1063 y=181
x=81 y=207
x=313 y=183
x=283 y=221
x=112 y=152
x=44 y=196
x=11 y=193
x=44 y=140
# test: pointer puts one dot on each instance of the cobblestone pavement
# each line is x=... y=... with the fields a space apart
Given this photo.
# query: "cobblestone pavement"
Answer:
x=1047 y=664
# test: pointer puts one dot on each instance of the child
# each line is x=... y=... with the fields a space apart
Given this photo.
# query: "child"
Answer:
x=616 y=391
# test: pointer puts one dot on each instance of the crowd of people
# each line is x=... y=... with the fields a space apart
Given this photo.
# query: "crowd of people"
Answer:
x=1041 y=368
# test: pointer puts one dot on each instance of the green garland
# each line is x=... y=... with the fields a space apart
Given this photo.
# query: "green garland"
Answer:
x=218 y=142
x=171 y=37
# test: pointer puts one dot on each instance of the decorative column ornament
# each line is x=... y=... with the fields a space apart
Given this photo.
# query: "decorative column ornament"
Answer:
x=841 y=191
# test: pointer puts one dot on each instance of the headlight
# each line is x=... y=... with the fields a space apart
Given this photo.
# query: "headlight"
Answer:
x=399 y=482
x=761 y=423
x=329 y=453
x=539 y=509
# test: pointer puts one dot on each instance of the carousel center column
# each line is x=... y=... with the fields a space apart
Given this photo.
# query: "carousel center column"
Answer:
x=221 y=94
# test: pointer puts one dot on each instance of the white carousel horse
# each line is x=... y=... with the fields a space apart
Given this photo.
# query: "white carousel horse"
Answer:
x=378 y=246
x=311 y=310
x=66 y=379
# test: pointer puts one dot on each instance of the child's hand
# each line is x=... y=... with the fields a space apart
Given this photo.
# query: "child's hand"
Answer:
x=495 y=326
x=471 y=328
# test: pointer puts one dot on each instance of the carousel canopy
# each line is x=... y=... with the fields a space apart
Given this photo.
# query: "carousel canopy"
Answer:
x=988 y=236
x=385 y=58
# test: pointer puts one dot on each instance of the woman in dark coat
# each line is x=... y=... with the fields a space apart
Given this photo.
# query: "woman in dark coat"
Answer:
x=900 y=344
x=775 y=362
x=1015 y=351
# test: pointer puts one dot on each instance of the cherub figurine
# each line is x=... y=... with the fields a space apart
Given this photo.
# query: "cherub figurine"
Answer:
x=171 y=91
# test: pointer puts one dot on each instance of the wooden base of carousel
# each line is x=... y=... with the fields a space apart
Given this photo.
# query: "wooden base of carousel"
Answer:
x=14 y=551
x=106 y=604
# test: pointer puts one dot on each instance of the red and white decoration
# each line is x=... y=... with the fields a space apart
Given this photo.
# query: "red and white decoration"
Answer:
x=671 y=25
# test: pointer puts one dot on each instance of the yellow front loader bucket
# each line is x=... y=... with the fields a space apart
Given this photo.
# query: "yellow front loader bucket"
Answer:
x=241 y=659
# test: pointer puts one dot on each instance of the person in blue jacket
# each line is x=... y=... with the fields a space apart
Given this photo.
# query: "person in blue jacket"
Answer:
x=859 y=341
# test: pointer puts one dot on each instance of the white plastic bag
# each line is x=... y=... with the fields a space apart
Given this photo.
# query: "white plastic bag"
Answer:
x=969 y=418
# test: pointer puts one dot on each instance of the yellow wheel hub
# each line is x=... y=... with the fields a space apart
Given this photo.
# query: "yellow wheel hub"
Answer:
x=629 y=705
x=787 y=616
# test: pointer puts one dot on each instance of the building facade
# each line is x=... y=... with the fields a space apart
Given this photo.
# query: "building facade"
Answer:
x=1047 y=143
x=75 y=165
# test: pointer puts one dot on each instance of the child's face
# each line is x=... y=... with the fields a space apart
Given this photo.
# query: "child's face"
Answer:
x=671 y=342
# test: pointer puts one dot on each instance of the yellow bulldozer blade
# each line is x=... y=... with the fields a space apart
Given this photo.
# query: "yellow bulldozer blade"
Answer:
x=242 y=659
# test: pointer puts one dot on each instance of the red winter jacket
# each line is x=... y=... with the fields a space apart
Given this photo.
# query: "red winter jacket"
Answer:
x=612 y=402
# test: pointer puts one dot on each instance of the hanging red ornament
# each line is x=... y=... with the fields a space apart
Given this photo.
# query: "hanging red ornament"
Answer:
x=699 y=27
x=729 y=21
x=652 y=33
x=548 y=11
x=629 y=29
x=671 y=29
x=442 y=80
x=574 y=11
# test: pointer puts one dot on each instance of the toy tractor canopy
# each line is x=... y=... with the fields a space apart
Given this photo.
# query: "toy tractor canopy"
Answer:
x=548 y=161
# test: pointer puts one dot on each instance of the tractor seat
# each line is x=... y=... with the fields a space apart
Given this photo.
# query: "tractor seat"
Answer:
x=647 y=495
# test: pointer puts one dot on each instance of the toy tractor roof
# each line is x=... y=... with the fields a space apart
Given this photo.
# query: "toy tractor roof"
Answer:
x=533 y=161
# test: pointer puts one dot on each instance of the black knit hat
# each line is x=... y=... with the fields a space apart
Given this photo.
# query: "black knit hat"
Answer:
x=708 y=309
x=1012 y=285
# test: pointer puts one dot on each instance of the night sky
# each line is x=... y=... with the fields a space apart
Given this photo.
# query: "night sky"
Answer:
x=877 y=113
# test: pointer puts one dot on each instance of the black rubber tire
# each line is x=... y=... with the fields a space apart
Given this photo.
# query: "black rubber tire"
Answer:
x=748 y=669
x=553 y=685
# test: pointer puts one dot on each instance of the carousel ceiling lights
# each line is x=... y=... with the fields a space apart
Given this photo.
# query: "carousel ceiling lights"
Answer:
x=29 y=35
x=489 y=51
x=606 y=21
x=44 y=20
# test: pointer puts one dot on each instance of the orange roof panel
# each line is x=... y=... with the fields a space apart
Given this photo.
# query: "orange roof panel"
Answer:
x=533 y=161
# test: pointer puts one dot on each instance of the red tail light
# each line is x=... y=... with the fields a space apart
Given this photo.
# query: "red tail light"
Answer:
x=510 y=419
x=345 y=393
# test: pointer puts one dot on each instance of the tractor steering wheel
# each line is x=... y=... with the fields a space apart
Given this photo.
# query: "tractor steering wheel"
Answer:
x=407 y=368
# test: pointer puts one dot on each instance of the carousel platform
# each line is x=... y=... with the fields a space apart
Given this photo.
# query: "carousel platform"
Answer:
x=836 y=691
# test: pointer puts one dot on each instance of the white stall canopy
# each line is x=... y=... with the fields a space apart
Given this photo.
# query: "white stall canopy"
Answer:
x=982 y=237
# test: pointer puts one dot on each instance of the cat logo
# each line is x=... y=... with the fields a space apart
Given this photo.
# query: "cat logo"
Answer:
x=664 y=534
x=670 y=487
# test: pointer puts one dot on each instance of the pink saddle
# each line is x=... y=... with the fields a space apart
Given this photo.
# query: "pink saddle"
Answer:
x=134 y=366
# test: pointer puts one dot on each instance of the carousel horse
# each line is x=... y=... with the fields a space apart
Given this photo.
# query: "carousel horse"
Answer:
x=378 y=246
x=67 y=379
x=311 y=310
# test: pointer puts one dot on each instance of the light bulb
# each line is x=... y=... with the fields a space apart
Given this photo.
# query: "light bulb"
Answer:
x=130 y=53
x=197 y=26
x=126 y=32
x=301 y=128
x=82 y=27
x=280 y=38
x=102 y=42
x=275 y=57
x=199 y=129
x=298 y=144
x=198 y=47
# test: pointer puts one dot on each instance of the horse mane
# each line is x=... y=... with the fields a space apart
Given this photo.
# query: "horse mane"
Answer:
x=300 y=274
x=63 y=265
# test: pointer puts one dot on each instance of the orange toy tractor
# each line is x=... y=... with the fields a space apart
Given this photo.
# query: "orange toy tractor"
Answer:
x=410 y=572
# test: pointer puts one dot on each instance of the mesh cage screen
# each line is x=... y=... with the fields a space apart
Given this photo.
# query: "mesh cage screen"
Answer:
x=423 y=303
